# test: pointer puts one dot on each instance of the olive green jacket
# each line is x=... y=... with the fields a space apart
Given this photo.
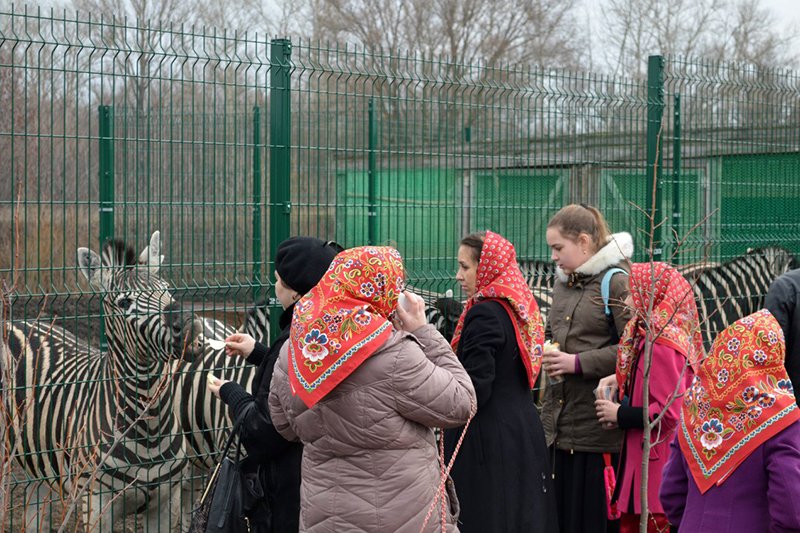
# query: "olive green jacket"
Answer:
x=578 y=323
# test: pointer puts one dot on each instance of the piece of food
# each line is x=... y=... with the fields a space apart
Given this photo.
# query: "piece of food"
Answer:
x=550 y=346
x=216 y=344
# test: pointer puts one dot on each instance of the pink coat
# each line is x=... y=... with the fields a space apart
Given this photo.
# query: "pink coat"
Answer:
x=370 y=462
x=665 y=373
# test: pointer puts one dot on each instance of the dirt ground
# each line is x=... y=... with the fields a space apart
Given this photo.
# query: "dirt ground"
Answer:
x=15 y=517
x=16 y=521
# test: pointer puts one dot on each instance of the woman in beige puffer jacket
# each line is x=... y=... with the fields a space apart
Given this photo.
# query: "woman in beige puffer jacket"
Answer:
x=370 y=461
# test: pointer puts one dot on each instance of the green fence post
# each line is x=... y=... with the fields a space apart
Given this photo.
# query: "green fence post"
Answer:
x=655 y=112
x=280 y=155
x=676 y=168
x=106 y=176
x=372 y=210
x=258 y=259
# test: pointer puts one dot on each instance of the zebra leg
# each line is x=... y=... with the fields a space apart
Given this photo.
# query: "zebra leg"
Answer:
x=102 y=508
x=191 y=489
x=94 y=517
x=163 y=512
x=39 y=510
x=181 y=505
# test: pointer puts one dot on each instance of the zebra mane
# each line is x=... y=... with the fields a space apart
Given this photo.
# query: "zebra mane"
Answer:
x=537 y=266
x=780 y=259
x=117 y=253
x=256 y=320
x=767 y=250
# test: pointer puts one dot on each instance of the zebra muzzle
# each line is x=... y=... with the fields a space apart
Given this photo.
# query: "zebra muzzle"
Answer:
x=187 y=332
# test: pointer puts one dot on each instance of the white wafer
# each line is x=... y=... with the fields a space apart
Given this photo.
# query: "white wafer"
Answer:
x=216 y=344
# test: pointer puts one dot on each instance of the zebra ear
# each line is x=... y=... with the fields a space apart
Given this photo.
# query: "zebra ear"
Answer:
x=151 y=255
x=89 y=265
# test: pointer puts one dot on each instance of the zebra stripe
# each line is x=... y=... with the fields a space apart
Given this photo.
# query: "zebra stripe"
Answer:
x=729 y=291
x=541 y=278
x=204 y=419
x=104 y=419
x=443 y=311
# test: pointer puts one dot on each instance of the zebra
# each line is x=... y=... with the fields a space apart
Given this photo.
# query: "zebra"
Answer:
x=731 y=290
x=205 y=420
x=104 y=431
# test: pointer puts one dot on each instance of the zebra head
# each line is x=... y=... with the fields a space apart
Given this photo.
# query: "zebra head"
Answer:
x=449 y=310
x=142 y=319
x=779 y=259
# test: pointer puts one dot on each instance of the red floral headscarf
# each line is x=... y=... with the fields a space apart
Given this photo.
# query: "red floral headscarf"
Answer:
x=499 y=278
x=342 y=321
x=740 y=397
x=674 y=321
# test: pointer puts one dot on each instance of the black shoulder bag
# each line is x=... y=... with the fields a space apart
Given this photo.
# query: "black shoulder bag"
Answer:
x=229 y=493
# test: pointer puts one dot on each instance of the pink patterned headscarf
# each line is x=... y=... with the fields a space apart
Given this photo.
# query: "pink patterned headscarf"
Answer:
x=674 y=321
x=499 y=278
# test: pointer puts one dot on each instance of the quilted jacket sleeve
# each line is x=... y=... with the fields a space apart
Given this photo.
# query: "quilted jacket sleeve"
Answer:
x=431 y=387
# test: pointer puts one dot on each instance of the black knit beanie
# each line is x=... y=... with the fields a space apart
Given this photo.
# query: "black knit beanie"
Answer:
x=302 y=261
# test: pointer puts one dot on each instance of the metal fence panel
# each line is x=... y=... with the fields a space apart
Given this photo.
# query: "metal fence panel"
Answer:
x=226 y=143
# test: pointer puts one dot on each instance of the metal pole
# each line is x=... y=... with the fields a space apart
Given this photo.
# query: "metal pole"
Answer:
x=258 y=258
x=280 y=156
x=372 y=210
x=676 y=166
x=106 y=188
x=655 y=112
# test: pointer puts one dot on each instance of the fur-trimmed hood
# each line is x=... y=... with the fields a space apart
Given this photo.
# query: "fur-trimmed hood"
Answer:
x=619 y=247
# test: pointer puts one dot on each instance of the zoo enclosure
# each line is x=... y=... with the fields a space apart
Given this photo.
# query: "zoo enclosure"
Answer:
x=229 y=142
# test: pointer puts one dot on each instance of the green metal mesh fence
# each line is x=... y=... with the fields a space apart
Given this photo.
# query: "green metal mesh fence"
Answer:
x=738 y=150
x=227 y=143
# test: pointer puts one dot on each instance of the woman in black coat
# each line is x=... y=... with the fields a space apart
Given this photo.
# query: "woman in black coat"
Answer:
x=501 y=472
x=300 y=263
x=782 y=301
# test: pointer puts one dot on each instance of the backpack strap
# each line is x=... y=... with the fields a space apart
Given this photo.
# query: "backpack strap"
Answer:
x=604 y=293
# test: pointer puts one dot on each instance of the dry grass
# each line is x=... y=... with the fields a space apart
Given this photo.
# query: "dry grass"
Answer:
x=206 y=253
x=44 y=257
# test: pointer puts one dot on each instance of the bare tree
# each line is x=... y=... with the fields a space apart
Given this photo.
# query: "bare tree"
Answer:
x=463 y=31
x=271 y=18
x=726 y=30
x=750 y=33
x=632 y=30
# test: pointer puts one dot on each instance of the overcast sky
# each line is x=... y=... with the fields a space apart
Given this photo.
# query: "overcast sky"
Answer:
x=788 y=12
